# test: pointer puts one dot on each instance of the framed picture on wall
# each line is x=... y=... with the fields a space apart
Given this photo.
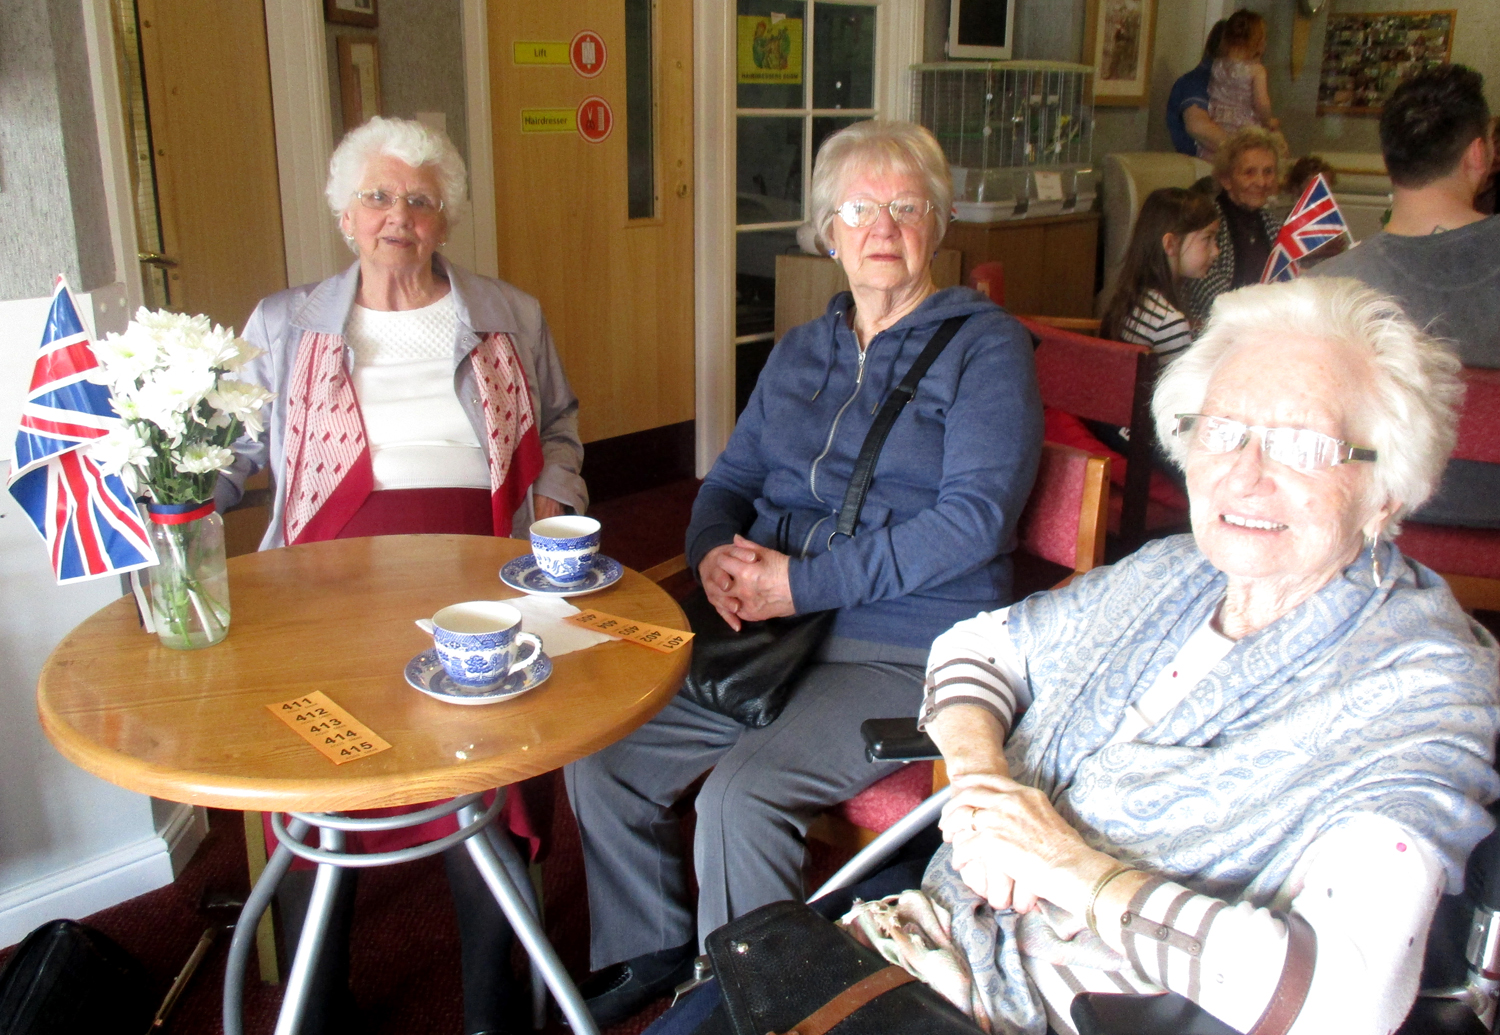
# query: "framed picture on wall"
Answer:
x=1366 y=55
x=352 y=12
x=359 y=80
x=1117 y=42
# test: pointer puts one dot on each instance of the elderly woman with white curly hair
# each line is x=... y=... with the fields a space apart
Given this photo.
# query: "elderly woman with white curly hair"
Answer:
x=412 y=396
x=1249 y=760
x=932 y=546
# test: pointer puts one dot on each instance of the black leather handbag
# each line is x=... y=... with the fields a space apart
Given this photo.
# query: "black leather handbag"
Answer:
x=783 y=968
x=750 y=675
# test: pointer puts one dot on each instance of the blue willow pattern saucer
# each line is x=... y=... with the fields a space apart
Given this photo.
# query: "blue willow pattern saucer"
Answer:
x=425 y=673
x=523 y=574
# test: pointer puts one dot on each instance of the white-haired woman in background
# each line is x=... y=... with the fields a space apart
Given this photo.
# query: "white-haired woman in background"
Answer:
x=390 y=379
x=932 y=547
x=1251 y=757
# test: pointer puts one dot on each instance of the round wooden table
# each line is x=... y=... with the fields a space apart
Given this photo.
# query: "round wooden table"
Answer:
x=337 y=617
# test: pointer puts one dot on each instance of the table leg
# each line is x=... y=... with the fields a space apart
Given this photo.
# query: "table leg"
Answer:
x=244 y=931
x=521 y=878
x=488 y=854
x=310 y=944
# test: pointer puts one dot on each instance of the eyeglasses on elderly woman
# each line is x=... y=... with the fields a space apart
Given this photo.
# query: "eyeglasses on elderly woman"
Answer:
x=908 y=210
x=383 y=200
x=1301 y=449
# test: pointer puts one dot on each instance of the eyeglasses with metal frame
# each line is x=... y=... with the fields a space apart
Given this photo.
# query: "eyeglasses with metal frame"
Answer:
x=384 y=200
x=1301 y=449
x=905 y=211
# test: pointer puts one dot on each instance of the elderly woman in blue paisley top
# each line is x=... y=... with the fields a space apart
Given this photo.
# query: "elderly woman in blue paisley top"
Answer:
x=1249 y=755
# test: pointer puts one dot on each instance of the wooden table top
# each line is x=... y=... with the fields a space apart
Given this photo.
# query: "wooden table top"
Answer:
x=192 y=726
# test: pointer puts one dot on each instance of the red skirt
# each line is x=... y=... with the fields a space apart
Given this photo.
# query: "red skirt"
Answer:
x=450 y=512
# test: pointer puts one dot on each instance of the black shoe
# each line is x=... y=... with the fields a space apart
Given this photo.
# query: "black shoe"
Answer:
x=619 y=992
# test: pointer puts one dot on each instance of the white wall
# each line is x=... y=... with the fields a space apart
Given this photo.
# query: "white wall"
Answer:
x=70 y=844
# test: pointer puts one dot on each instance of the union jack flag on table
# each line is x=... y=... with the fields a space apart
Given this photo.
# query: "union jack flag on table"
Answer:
x=87 y=517
x=1313 y=222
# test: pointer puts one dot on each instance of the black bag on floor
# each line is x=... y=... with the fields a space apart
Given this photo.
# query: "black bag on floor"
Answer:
x=68 y=979
x=783 y=968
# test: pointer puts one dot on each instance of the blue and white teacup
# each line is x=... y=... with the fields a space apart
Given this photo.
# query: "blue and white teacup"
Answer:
x=564 y=548
x=477 y=643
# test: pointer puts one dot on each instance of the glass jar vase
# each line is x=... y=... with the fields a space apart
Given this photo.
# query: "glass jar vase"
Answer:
x=189 y=584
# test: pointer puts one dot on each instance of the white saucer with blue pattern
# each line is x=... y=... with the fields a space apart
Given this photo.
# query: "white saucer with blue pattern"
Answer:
x=425 y=673
x=523 y=574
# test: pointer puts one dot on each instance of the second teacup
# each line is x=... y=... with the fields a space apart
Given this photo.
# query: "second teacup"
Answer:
x=477 y=643
x=564 y=547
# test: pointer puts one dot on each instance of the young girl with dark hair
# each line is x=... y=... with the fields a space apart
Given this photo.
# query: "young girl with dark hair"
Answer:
x=1174 y=239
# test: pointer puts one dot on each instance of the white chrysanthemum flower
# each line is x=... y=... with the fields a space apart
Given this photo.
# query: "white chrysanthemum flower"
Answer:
x=203 y=458
x=242 y=400
x=169 y=396
x=123 y=448
x=244 y=352
x=125 y=357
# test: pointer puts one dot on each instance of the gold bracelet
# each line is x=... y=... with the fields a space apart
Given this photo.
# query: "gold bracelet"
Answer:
x=1088 y=914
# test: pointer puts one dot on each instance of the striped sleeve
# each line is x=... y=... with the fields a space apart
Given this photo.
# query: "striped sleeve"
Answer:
x=1154 y=322
x=976 y=662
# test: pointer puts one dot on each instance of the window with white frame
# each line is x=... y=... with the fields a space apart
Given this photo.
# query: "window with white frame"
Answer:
x=804 y=70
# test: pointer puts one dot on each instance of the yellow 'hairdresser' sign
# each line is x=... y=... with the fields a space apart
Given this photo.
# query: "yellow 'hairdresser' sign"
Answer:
x=770 y=49
x=540 y=53
x=549 y=120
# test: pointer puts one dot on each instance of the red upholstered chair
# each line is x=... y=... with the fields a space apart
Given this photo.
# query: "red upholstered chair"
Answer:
x=988 y=278
x=1108 y=381
x=1469 y=558
x=1063 y=524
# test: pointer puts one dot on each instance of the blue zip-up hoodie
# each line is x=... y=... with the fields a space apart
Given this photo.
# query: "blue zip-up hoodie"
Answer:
x=934 y=539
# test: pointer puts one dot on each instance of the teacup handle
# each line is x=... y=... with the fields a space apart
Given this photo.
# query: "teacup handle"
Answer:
x=425 y=624
x=536 y=649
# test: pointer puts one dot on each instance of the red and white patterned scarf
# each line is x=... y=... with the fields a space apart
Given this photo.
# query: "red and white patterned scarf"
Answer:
x=328 y=470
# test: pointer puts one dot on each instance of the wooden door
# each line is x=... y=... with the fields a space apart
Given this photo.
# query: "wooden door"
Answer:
x=617 y=290
x=208 y=92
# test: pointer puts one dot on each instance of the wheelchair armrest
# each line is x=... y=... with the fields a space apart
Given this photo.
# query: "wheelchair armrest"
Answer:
x=1107 y=1013
x=896 y=740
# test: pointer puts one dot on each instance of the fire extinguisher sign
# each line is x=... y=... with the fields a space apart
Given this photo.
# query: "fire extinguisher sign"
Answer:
x=595 y=119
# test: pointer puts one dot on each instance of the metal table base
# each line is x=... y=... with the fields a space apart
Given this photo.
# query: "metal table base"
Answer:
x=494 y=856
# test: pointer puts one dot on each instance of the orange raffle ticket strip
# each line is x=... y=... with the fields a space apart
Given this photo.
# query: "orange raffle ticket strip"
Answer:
x=327 y=727
x=647 y=635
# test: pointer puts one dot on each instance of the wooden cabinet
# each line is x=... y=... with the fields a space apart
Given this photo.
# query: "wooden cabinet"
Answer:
x=1050 y=261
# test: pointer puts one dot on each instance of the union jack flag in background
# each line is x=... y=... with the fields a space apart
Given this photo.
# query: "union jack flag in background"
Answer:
x=1313 y=222
x=90 y=522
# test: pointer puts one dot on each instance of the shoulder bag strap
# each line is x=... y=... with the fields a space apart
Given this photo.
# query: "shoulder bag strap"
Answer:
x=1296 y=978
x=869 y=453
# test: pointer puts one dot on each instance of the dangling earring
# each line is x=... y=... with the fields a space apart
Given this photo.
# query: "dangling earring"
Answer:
x=1375 y=557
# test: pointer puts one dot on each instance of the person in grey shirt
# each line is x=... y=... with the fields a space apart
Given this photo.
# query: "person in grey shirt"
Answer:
x=1439 y=256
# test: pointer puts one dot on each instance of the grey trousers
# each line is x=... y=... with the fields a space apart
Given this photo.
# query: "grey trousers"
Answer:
x=767 y=787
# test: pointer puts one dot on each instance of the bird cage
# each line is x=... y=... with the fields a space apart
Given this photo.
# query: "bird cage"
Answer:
x=1018 y=135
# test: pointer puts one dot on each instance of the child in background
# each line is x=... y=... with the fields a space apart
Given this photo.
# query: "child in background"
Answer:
x=1175 y=238
x=1237 y=93
x=1302 y=171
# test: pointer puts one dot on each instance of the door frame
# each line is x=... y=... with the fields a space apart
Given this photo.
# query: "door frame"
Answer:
x=900 y=29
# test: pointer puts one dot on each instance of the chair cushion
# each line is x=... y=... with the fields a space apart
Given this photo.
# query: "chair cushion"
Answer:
x=1455 y=551
x=881 y=804
x=1068 y=430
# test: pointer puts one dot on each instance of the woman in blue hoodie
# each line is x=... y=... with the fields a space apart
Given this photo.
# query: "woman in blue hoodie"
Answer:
x=932 y=548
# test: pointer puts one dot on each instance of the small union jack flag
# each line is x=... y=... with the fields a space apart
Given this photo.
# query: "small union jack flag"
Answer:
x=90 y=523
x=1314 y=222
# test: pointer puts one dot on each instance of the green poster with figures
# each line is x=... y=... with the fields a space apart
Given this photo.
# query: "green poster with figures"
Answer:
x=770 y=49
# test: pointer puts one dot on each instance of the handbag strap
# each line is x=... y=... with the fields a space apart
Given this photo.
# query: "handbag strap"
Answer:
x=849 y=1000
x=895 y=402
x=1296 y=978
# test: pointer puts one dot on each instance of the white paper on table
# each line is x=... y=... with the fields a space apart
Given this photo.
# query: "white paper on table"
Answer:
x=544 y=617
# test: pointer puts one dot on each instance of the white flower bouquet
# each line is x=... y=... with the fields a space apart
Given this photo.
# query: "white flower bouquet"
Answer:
x=170 y=379
x=170 y=375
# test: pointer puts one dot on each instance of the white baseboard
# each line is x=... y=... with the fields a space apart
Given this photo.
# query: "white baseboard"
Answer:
x=91 y=886
x=184 y=829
